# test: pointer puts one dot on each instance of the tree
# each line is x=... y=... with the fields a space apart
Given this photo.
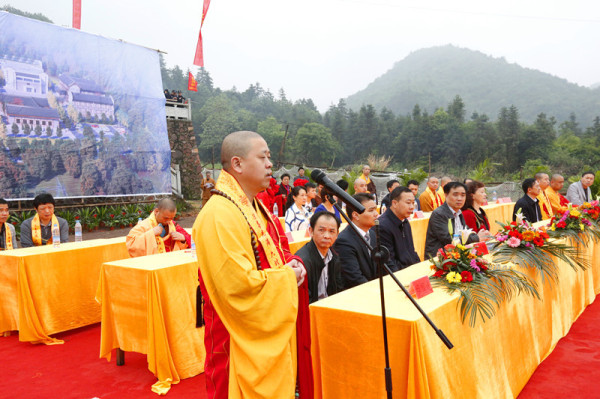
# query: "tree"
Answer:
x=38 y=130
x=509 y=132
x=49 y=131
x=26 y=129
x=219 y=120
x=15 y=128
x=315 y=145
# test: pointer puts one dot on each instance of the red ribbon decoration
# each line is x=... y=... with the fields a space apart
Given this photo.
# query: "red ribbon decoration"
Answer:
x=77 y=14
x=199 y=56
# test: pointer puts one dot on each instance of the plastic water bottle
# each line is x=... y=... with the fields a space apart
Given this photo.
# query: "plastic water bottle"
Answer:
x=139 y=220
x=78 y=236
x=55 y=236
x=456 y=239
x=494 y=196
x=193 y=249
x=275 y=210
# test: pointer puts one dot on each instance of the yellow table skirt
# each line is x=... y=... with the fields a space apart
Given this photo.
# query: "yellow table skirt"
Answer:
x=149 y=307
x=494 y=359
x=46 y=290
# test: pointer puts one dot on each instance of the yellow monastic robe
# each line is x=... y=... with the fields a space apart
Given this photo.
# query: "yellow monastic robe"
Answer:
x=141 y=240
x=429 y=200
x=545 y=205
x=257 y=307
x=440 y=192
x=554 y=199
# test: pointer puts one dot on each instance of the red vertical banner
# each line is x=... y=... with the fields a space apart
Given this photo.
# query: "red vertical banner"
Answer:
x=77 y=14
x=199 y=56
x=192 y=83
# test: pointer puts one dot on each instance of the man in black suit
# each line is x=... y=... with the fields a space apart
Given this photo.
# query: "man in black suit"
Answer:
x=438 y=234
x=396 y=234
x=323 y=269
x=528 y=204
x=357 y=266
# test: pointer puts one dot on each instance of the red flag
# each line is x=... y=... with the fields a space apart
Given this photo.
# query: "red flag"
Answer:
x=77 y=14
x=192 y=84
x=199 y=56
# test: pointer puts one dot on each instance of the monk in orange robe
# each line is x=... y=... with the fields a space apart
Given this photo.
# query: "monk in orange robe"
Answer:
x=255 y=295
x=158 y=233
x=430 y=199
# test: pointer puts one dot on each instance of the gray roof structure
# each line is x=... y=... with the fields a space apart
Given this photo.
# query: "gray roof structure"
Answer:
x=32 y=112
x=90 y=98
x=84 y=84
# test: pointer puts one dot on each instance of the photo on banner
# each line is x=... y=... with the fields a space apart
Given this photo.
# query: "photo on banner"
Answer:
x=80 y=115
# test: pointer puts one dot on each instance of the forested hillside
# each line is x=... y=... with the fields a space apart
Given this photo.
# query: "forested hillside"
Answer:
x=432 y=77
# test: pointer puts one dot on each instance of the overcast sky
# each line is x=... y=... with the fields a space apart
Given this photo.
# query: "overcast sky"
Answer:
x=328 y=49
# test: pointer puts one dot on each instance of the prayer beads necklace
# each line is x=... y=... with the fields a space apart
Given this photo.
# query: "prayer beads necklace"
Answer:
x=254 y=239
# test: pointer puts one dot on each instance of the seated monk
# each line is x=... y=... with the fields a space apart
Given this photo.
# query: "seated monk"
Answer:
x=158 y=233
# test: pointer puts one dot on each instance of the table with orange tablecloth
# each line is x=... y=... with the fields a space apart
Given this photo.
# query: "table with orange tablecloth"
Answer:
x=46 y=290
x=149 y=307
x=494 y=359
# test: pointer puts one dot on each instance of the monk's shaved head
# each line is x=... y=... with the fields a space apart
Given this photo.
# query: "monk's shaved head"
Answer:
x=166 y=204
x=236 y=144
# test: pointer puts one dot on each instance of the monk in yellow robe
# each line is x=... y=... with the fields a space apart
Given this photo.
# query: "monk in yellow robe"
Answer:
x=429 y=198
x=8 y=237
x=544 y=200
x=250 y=283
x=443 y=181
x=158 y=233
x=557 y=201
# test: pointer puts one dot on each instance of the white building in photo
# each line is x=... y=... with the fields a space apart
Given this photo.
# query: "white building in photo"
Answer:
x=86 y=96
x=24 y=76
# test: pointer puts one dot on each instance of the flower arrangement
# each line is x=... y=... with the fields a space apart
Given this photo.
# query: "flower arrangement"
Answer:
x=591 y=210
x=573 y=224
x=521 y=243
x=481 y=284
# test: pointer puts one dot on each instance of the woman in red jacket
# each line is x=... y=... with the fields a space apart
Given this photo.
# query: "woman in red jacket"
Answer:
x=474 y=215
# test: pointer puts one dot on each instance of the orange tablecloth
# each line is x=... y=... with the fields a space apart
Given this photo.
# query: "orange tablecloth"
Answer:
x=494 y=359
x=46 y=290
x=149 y=306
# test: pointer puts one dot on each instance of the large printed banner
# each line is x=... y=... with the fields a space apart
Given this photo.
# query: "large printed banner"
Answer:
x=80 y=115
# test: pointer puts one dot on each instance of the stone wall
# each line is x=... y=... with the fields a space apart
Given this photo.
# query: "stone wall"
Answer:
x=184 y=152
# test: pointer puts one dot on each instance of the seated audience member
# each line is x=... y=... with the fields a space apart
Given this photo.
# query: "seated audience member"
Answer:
x=296 y=216
x=37 y=230
x=545 y=205
x=580 y=192
x=438 y=234
x=557 y=201
x=167 y=95
x=385 y=202
x=366 y=176
x=360 y=186
x=323 y=269
x=300 y=174
x=284 y=192
x=327 y=205
x=355 y=257
x=413 y=186
x=343 y=184
x=267 y=197
x=528 y=204
x=158 y=233
x=443 y=181
x=396 y=233
x=8 y=236
x=467 y=181
x=311 y=195
x=430 y=199
x=474 y=214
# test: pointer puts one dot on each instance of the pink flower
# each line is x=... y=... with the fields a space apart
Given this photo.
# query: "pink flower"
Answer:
x=501 y=237
x=513 y=242
x=474 y=265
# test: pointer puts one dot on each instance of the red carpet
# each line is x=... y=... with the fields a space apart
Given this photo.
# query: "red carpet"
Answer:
x=73 y=370
x=573 y=368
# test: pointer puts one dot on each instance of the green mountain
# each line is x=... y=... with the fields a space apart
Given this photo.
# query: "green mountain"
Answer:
x=432 y=78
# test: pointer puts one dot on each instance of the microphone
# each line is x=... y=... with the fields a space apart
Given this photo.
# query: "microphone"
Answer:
x=320 y=177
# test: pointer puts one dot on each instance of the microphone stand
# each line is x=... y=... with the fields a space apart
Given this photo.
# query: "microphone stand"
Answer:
x=381 y=255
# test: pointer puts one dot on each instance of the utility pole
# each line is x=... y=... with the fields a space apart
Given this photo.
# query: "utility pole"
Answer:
x=282 y=146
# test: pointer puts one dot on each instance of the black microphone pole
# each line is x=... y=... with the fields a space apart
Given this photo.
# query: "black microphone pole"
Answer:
x=381 y=255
